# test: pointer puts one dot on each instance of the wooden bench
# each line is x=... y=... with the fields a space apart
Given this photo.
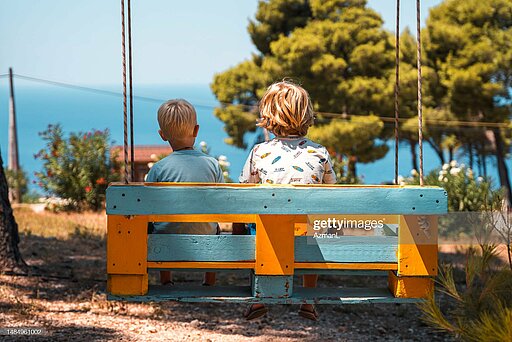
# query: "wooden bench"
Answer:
x=407 y=257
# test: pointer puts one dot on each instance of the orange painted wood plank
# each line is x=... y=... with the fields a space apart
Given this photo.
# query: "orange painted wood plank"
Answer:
x=127 y=244
x=241 y=218
x=202 y=264
x=274 y=244
x=127 y=284
x=245 y=185
x=347 y=266
x=417 y=246
x=410 y=287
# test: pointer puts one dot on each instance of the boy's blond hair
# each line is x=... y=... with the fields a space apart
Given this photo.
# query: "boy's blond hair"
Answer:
x=286 y=109
x=177 y=119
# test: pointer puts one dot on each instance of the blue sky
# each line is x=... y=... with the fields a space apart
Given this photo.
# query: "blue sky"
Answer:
x=174 y=41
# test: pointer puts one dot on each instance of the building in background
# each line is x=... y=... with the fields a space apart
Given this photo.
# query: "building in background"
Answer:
x=144 y=156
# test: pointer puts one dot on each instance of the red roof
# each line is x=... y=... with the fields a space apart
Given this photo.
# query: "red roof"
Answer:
x=143 y=153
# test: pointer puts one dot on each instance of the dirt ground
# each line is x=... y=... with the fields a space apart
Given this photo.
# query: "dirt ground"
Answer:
x=65 y=296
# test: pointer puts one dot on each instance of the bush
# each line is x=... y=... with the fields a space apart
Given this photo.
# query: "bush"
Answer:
x=17 y=180
x=77 y=168
x=480 y=309
x=465 y=192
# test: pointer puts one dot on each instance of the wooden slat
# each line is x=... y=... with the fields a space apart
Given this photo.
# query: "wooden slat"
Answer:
x=272 y=286
x=410 y=287
x=126 y=245
x=180 y=199
x=347 y=266
x=417 y=252
x=242 y=294
x=174 y=247
x=241 y=218
x=202 y=265
x=274 y=244
x=252 y=185
x=346 y=249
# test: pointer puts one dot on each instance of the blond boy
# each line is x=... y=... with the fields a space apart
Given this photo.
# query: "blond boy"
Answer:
x=290 y=158
x=178 y=126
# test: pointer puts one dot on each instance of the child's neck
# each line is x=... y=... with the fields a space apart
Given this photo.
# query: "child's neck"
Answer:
x=182 y=145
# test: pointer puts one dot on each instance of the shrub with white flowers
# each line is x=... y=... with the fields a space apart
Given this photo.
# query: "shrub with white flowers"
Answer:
x=465 y=192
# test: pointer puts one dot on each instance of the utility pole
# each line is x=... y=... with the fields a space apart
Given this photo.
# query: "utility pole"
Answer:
x=13 y=160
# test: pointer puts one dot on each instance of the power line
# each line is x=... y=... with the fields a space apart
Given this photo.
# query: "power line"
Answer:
x=330 y=115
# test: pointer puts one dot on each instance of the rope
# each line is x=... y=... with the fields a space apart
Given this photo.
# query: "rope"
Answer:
x=125 y=119
x=132 y=165
x=397 y=85
x=420 y=112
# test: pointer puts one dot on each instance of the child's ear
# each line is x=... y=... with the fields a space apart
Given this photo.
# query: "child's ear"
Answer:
x=196 y=130
x=162 y=135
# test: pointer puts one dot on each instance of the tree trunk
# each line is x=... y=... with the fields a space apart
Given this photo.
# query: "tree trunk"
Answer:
x=412 y=145
x=438 y=150
x=10 y=257
x=502 y=166
x=479 y=161
x=484 y=165
x=471 y=159
x=352 y=170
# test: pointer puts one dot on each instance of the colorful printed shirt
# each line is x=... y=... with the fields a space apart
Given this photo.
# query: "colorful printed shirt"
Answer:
x=288 y=160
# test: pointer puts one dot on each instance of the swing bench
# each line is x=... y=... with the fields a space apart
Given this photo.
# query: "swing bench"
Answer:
x=405 y=250
x=408 y=258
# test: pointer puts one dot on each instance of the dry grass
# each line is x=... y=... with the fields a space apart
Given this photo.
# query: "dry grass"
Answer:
x=61 y=226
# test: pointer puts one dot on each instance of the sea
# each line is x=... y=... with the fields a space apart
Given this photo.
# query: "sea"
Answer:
x=79 y=110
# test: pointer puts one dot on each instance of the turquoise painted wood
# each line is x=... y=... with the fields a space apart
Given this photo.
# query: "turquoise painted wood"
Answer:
x=154 y=200
x=346 y=249
x=170 y=247
x=242 y=294
x=271 y=286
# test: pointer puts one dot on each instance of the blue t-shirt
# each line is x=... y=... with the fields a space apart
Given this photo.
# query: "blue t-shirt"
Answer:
x=186 y=166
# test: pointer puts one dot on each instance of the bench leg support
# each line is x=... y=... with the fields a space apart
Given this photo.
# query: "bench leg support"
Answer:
x=271 y=286
x=127 y=255
x=410 y=287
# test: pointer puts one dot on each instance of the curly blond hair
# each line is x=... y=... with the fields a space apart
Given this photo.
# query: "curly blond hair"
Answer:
x=286 y=109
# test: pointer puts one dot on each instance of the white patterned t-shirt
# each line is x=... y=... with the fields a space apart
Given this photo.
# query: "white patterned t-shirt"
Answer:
x=290 y=160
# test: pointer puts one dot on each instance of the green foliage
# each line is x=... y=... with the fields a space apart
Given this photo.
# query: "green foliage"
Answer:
x=274 y=18
x=353 y=141
x=468 y=55
x=17 y=180
x=465 y=192
x=77 y=168
x=481 y=309
x=337 y=49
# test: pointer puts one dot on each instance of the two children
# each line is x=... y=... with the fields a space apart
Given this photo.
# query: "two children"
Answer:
x=290 y=158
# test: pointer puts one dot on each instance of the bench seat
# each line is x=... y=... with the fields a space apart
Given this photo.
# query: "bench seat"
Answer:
x=405 y=249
